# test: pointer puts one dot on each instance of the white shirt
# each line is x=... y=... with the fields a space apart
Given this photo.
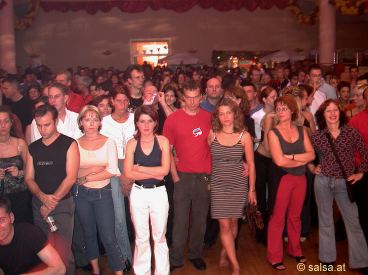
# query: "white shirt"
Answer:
x=121 y=133
x=318 y=98
x=258 y=117
x=68 y=127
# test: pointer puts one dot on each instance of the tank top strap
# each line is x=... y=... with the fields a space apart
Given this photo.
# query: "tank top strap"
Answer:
x=301 y=133
x=241 y=135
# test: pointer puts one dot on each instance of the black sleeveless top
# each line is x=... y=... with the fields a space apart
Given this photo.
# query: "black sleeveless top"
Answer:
x=296 y=147
x=151 y=160
x=49 y=162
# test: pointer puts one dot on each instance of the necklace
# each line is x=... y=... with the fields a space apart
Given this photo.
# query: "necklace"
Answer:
x=228 y=133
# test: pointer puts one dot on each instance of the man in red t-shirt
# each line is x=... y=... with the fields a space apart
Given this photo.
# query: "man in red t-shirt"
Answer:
x=187 y=130
x=360 y=122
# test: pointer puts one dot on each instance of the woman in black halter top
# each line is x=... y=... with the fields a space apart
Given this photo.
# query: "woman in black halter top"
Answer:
x=13 y=152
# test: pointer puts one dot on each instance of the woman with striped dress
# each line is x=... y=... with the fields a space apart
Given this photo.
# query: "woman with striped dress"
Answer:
x=229 y=187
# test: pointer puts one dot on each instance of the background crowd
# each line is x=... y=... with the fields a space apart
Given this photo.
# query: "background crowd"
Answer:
x=113 y=156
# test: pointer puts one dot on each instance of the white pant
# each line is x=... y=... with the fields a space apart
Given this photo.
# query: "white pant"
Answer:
x=150 y=205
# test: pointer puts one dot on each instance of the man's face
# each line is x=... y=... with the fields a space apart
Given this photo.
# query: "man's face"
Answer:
x=196 y=76
x=57 y=99
x=315 y=76
x=62 y=79
x=9 y=89
x=46 y=125
x=214 y=90
x=192 y=99
x=250 y=93
x=6 y=226
x=301 y=77
x=255 y=76
x=136 y=79
x=149 y=94
x=120 y=103
x=354 y=72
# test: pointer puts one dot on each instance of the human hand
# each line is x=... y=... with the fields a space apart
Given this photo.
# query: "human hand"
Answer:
x=50 y=201
x=316 y=169
x=252 y=197
x=12 y=170
x=355 y=177
x=44 y=211
x=175 y=178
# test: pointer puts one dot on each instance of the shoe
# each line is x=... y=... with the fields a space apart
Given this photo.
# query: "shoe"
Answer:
x=301 y=259
x=173 y=267
x=279 y=266
x=198 y=263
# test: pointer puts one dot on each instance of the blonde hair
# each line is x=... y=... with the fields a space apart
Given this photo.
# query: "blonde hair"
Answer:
x=84 y=111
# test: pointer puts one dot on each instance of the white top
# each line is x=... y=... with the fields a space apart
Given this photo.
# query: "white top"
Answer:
x=258 y=117
x=121 y=133
x=106 y=156
x=318 y=98
x=68 y=127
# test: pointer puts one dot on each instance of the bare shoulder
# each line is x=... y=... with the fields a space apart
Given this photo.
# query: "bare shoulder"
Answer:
x=132 y=142
x=162 y=140
x=246 y=137
x=211 y=136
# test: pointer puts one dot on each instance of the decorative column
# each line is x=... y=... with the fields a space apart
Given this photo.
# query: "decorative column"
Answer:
x=7 y=38
x=327 y=33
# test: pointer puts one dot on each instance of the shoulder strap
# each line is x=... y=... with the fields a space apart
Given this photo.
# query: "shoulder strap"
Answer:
x=336 y=155
x=241 y=135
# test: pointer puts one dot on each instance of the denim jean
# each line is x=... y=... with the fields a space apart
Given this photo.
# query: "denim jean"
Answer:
x=326 y=190
x=121 y=230
x=95 y=208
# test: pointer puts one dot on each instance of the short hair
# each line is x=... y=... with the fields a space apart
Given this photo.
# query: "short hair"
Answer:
x=128 y=71
x=191 y=85
x=97 y=100
x=145 y=110
x=44 y=109
x=291 y=103
x=123 y=92
x=12 y=79
x=315 y=67
x=238 y=116
x=67 y=74
x=343 y=84
x=170 y=87
x=320 y=118
x=363 y=88
x=5 y=204
x=61 y=87
x=84 y=111
x=246 y=82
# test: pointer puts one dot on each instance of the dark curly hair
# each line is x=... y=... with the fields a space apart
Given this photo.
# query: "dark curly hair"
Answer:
x=320 y=118
x=238 y=116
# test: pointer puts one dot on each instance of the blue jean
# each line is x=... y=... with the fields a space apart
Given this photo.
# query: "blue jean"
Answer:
x=121 y=230
x=326 y=190
x=95 y=208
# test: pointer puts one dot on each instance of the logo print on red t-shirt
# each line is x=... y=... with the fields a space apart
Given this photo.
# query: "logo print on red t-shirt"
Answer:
x=197 y=132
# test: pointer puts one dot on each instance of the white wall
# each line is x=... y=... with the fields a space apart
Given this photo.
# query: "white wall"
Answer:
x=64 y=40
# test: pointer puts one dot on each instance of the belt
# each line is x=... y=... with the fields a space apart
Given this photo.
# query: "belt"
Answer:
x=150 y=186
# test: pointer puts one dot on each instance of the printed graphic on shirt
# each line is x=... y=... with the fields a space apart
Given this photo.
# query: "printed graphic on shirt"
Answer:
x=197 y=132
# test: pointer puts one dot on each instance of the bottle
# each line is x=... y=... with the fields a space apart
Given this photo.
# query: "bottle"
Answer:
x=51 y=223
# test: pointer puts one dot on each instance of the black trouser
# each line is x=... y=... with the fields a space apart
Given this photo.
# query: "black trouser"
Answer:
x=263 y=165
x=361 y=198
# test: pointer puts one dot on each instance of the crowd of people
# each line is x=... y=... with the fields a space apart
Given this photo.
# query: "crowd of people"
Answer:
x=94 y=160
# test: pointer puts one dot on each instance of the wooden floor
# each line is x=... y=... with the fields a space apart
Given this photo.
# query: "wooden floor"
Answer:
x=252 y=258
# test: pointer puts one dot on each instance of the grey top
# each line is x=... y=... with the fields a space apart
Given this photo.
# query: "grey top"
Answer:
x=289 y=148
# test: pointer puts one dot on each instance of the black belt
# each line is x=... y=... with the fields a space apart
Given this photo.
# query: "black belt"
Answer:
x=150 y=186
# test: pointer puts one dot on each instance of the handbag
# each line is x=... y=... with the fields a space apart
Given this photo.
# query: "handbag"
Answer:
x=254 y=218
x=349 y=186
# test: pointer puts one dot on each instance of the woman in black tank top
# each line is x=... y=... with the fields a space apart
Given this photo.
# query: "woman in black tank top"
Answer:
x=291 y=150
x=147 y=161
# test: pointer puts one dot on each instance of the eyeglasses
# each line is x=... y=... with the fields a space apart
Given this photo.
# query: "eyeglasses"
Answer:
x=282 y=109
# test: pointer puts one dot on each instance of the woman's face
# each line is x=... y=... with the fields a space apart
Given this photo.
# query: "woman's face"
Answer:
x=270 y=99
x=5 y=124
x=226 y=116
x=33 y=94
x=283 y=112
x=104 y=107
x=344 y=93
x=332 y=114
x=90 y=122
x=170 y=98
x=181 y=78
x=145 y=124
x=114 y=79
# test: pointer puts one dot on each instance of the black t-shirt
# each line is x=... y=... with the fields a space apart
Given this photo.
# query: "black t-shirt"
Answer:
x=20 y=255
x=135 y=103
x=49 y=162
x=22 y=109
